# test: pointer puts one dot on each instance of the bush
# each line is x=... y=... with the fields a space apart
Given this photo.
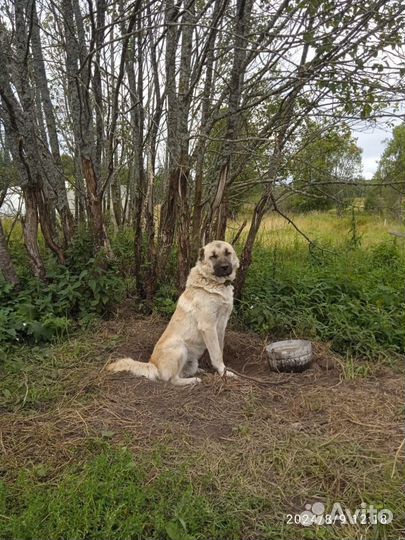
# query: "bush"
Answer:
x=79 y=291
x=350 y=299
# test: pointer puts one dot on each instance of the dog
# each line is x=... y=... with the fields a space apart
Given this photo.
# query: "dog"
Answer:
x=198 y=323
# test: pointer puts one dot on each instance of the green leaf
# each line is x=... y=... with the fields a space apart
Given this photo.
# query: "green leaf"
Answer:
x=309 y=36
x=366 y=112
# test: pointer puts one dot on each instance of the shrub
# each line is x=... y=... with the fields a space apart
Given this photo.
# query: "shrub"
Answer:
x=350 y=299
x=41 y=311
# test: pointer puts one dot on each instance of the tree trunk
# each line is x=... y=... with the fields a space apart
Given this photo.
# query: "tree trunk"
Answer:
x=30 y=228
x=95 y=206
x=183 y=107
x=57 y=179
x=200 y=152
x=82 y=114
x=6 y=264
x=246 y=256
x=219 y=210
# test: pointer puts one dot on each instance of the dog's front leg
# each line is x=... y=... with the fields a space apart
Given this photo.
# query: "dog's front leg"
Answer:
x=211 y=340
x=210 y=336
x=221 y=332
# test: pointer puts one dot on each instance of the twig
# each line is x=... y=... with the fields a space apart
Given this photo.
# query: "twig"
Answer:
x=26 y=389
x=17 y=216
x=396 y=458
x=2 y=443
x=255 y=379
x=237 y=235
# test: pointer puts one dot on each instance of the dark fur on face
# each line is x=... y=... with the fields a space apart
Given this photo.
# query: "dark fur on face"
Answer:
x=220 y=257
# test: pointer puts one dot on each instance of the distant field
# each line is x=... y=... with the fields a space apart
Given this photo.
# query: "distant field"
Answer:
x=326 y=227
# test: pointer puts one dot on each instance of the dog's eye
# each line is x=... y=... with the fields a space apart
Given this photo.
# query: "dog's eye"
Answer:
x=214 y=256
x=227 y=253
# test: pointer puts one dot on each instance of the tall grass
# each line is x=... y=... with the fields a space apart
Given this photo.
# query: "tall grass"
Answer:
x=349 y=294
x=324 y=227
x=346 y=288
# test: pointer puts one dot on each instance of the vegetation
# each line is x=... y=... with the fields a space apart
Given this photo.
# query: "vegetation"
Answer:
x=325 y=171
x=164 y=117
x=118 y=495
x=387 y=196
x=130 y=134
x=348 y=298
x=344 y=289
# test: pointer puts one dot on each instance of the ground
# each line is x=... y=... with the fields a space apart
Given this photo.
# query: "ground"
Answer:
x=330 y=434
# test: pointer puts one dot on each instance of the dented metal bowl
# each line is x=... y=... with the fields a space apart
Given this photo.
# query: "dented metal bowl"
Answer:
x=290 y=355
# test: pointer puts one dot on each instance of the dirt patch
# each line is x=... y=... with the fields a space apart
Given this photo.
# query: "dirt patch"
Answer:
x=243 y=351
x=120 y=407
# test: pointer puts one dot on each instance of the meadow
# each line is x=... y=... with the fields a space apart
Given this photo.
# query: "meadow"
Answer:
x=346 y=288
x=85 y=455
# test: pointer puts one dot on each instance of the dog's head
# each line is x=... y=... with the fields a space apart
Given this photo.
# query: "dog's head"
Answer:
x=219 y=261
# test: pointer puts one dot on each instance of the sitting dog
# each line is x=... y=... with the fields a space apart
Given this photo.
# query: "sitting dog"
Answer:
x=198 y=323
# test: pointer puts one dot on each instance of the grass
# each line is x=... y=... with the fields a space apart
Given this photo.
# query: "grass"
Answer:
x=76 y=466
x=34 y=377
x=117 y=494
x=348 y=291
x=86 y=457
x=326 y=228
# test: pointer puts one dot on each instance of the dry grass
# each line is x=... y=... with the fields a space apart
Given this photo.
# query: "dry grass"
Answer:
x=317 y=436
x=326 y=227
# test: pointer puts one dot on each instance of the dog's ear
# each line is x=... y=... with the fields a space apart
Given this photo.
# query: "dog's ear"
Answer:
x=201 y=254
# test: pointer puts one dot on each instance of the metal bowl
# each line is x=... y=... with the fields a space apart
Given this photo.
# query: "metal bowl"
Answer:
x=289 y=355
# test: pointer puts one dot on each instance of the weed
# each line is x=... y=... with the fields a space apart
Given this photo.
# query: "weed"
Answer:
x=350 y=298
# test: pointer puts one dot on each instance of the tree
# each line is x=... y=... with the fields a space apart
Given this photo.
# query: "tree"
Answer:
x=321 y=172
x=172 y=113
x=390 y=175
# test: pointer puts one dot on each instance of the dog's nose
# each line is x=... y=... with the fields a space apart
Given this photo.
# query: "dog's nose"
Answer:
x=224 y=267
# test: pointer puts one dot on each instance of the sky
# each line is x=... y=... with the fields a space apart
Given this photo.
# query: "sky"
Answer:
x=373 y=142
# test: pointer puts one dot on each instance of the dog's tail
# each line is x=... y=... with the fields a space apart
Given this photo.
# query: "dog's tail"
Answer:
x=139 y=369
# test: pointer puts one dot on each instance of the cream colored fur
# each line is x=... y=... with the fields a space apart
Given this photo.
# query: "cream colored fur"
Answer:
x=198 y=323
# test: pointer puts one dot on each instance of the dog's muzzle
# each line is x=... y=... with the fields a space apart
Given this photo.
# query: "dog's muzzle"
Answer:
x=223 y=269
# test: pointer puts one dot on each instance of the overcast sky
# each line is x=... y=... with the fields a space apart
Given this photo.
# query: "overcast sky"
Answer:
x=373 y=142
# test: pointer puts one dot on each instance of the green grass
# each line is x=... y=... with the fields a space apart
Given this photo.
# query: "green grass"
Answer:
x=155 y=494
x=116 y=496
x=33 y=377
x=351 y=297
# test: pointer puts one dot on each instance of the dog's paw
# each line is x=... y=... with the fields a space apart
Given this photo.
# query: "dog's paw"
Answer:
x=226 y=373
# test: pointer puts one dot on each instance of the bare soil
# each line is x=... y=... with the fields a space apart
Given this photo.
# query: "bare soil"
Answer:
x=319 y=402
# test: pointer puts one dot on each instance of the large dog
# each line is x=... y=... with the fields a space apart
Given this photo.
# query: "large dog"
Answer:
x=198 y=323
